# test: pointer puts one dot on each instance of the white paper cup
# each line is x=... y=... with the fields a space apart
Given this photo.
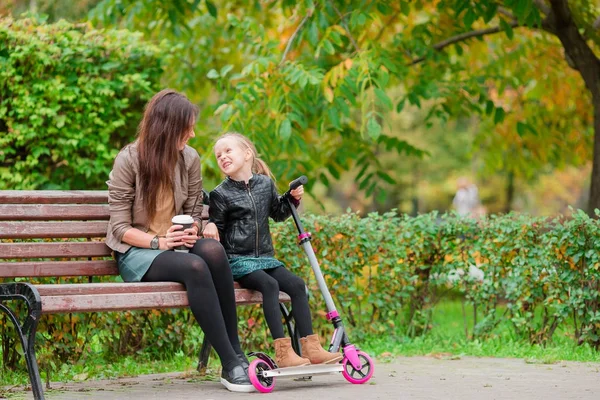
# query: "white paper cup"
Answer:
x=187 y=222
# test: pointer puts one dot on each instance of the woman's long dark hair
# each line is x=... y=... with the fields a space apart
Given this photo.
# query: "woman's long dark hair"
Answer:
x=168 y=118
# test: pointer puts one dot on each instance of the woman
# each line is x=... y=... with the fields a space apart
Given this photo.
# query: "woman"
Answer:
x=153 y=179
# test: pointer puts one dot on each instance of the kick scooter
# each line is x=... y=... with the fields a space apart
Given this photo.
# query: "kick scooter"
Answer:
x=356 y=366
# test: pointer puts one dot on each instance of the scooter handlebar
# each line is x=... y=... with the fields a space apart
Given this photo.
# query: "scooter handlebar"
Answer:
x=298 y=181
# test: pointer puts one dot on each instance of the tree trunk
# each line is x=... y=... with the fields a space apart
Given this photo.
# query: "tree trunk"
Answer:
x=510 y=191
x=594 y=201
x=559 y=21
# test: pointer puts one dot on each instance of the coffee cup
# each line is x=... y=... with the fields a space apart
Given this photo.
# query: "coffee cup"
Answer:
x=187 y=222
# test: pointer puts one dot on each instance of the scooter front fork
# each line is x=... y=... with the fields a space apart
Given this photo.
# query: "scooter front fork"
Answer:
x=340 y=339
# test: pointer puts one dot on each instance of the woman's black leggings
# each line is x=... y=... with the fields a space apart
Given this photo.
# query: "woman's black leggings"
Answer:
x=206 y=274
x=269 y=282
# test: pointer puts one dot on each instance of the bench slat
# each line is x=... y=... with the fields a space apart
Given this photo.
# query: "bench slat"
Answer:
x=46 y=212
x=116 y=287
x=53 y=197
x=107 y=288
x=58 y=268
x=132 y=301
x=42 y=230
x=54 y=250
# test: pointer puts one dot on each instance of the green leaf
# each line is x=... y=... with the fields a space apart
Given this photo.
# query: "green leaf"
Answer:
x=212 y=74
x=521 y=129
x=489 y=107
x=490 y=12
x=227 y=114
x=384 y=99
x=507 y=29
x=313 y=33
x=386 y=177
x=400 y=105
x=328 y=47
x=285 y=129
x=499 y=115
x=470 y=17
x=226 y=69
x=212 y=9
x=405 y=7
x=373 y=128
x=221 y=108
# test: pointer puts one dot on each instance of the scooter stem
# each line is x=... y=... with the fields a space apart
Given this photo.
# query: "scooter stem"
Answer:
x=312 y=258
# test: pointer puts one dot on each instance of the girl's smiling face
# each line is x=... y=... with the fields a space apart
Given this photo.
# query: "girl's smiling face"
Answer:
x=234 y=160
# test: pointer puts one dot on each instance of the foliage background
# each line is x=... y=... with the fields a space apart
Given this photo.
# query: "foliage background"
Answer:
x=70 y=98
x=378 y=103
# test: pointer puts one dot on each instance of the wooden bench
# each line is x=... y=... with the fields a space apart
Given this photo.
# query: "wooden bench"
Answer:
x=72 y=226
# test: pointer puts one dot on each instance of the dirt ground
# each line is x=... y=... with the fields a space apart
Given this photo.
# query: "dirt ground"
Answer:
x=397 y=378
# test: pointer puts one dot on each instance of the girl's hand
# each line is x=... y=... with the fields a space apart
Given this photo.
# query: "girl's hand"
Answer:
x=177 y=237
x=298 y=192
x=211 y=231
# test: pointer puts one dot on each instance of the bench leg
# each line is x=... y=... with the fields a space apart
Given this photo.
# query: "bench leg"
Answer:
x=26 y=331
x=203 y=357
x=291 y=327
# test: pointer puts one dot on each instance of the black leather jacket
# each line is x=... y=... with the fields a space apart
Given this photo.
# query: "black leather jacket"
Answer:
x=241 y=212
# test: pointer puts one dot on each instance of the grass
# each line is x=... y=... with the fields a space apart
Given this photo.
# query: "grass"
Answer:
x=446 y=339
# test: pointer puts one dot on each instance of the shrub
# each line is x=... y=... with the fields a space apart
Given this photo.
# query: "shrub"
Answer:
x=70 y=97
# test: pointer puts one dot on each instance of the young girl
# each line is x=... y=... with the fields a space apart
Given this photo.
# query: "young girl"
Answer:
x=240 y=208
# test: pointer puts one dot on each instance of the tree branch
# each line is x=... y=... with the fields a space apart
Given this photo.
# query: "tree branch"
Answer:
x=464 y=36
x=288 y=46
x=506 y=12
x=345 y=26
x=541 y=4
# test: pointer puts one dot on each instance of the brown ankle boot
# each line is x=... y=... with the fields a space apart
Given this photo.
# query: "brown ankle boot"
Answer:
x=285 y=356
x=311 y=348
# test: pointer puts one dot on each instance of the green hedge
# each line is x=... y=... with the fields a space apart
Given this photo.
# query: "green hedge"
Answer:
x=70 y=97
x=388 y=272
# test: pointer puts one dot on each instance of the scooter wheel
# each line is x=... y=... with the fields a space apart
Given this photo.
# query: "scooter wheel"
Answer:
x=260 y=382
x=362 y=375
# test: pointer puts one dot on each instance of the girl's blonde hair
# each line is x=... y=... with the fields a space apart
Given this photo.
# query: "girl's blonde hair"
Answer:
x=258 y=165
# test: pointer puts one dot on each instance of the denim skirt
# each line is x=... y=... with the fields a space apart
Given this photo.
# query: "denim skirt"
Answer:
x=135 y=262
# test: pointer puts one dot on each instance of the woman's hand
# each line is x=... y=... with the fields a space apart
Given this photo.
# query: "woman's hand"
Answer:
x=177 y=237
x=297 y=193
x=211 y=231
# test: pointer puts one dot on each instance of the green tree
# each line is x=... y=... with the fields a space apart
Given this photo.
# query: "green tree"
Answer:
x=315 y=82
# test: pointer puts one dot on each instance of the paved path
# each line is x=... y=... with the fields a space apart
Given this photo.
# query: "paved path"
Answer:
x=400 y=378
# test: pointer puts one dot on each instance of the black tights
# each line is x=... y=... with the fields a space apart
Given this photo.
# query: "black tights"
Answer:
x=206 y=274
x=269 y=282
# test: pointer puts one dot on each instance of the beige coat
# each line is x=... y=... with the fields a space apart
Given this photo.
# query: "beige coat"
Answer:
x=124 y=193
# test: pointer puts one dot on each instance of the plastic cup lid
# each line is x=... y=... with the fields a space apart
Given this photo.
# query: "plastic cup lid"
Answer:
x=182 y=219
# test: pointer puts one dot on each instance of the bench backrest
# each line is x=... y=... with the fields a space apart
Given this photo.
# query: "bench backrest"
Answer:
x=54 y=233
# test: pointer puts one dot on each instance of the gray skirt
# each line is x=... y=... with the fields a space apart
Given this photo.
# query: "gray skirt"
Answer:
x=135 y=262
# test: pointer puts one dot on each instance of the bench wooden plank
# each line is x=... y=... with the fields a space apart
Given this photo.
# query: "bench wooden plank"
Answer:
x=54 y=250
x=58 y=268
x=53 y=197
x=130 y=301
x=107 y=288
x=56 y=289
x=43 y=230
x=47 y=212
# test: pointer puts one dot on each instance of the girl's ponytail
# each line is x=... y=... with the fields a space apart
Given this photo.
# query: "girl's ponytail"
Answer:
x=260 y=167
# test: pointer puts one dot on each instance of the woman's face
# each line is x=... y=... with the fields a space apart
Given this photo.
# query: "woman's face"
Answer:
x=186 y=137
